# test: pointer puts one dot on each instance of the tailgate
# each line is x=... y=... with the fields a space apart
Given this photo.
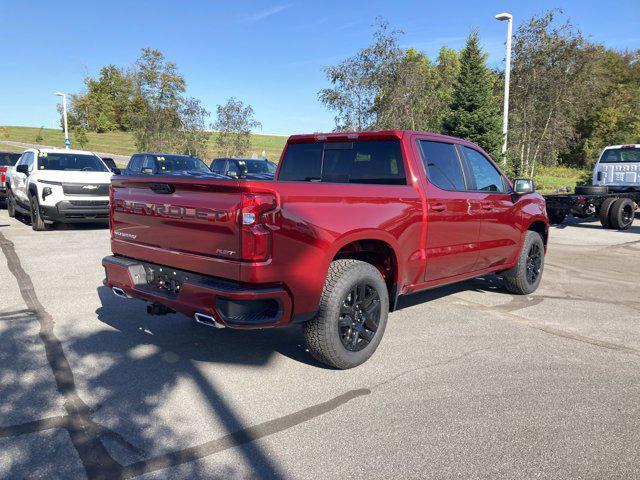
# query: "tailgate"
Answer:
x=186 y=223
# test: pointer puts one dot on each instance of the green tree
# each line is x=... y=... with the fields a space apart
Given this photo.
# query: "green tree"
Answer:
x=614 y=117
x=553 y=85
x=475 y=112
x=417 y=93
x=106 y=103
x=357 y=81
x=80 y=136
x=194 y=137
x=156 y=119
x=39 y=137
x=234 y=122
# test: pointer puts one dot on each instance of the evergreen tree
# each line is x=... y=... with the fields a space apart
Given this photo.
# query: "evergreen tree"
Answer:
x=475 y=110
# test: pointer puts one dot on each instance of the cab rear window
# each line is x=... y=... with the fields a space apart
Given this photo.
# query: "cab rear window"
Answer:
x=621 y=155
x=375 y=162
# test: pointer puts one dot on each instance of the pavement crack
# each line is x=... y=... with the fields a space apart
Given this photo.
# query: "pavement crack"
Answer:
x=427 y=367
x=246 y=435
x=84 y=433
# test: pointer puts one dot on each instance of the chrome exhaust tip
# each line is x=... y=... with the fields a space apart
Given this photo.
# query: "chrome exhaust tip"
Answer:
x=118 y=292
x=207 y=320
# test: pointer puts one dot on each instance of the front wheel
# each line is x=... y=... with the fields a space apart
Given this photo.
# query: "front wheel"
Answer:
x=37 y=223
x=352 y=315
x=11 y=206
x=525 y=277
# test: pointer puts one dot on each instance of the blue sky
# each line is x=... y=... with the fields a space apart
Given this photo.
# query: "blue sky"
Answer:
x=269 y=54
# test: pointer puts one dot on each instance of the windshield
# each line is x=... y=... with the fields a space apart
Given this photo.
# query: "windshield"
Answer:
x=621 y=155
x=258 y=166
x=8 y=159
x=176 y=163
x=70 y=162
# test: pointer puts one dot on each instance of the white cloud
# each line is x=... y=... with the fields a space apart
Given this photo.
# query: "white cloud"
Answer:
x=262 y=14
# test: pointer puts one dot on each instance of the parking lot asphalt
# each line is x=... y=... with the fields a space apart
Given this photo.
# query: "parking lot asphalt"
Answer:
x=469 y=381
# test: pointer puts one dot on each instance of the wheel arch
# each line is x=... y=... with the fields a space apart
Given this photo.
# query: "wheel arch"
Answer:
x=377 y=248
x=540 y=226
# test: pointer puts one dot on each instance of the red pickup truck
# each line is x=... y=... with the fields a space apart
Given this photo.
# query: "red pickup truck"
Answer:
x=351 y=222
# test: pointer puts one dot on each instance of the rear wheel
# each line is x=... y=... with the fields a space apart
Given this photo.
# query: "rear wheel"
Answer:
x=37 y=223
x=525 y=277
x=11 y=205
x=352 y=315
x=605 y=210
x=622 y=213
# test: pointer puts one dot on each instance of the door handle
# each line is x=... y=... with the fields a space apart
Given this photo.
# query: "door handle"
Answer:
x=486 y=206
x=438 y=207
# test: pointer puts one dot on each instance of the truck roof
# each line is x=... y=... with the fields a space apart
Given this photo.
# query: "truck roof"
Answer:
x=370 y=135
x=61 y=150
x=626 y=145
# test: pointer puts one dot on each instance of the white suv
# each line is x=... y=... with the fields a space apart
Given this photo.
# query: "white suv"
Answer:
x=55 y=185
x=618 y=168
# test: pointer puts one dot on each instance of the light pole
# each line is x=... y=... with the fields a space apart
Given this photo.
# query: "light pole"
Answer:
x=67 y=142
x=507 y=75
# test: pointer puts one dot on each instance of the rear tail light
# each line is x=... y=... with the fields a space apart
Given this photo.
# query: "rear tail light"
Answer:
x=111 y=210
x=256 y=236
x=3 y=174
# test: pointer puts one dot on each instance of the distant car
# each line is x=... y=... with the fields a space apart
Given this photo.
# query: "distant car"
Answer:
x=248 y=168
x=7 y=160
x=59 y=185
x=618 y=168
x=110 y=162
x=164 y=163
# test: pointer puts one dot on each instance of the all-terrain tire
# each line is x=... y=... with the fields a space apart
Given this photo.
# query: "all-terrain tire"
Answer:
x=591 y=189
x=525 y=276
x=605 y=210
x=37 y=223
x=622 y=213
x=326 y=333
x=11 y=205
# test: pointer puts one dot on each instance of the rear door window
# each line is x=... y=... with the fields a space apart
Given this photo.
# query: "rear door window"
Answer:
x=442 y=165
x=376 y=162
x=302 y=162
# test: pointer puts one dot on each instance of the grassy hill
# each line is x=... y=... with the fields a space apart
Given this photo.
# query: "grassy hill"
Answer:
x=121 y=143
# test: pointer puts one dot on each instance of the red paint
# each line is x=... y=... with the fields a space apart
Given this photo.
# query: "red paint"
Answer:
x=436 y=236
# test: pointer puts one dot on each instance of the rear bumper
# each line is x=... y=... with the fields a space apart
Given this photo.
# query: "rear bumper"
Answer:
x=229 y=303
x=77 y=211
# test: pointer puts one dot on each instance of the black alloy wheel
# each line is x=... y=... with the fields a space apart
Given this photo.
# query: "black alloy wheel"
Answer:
x=359 y=317
x=534 y=263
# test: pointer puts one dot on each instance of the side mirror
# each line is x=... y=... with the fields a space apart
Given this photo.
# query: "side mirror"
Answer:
x=147 y=171
x=232 y=173
x=22 y=168
x=522 y=186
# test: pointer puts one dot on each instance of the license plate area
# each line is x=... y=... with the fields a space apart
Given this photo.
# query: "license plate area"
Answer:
x=165 y=280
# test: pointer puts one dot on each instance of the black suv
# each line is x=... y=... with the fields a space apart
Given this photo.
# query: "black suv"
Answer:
x=250 y=168
x=164 y=163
